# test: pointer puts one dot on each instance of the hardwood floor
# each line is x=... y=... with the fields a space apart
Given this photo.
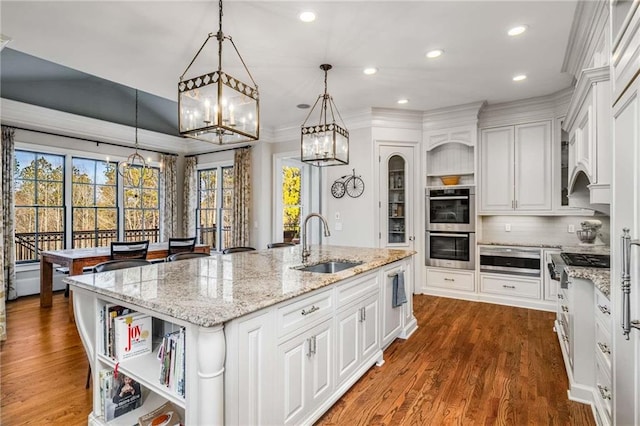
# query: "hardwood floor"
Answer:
x=468 y=363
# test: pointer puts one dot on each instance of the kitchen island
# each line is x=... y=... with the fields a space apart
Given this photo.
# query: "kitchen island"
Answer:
x=266 y=343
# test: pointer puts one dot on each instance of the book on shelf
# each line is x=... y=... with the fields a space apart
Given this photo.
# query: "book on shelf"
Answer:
x=132 y=335
x=118 y=394
x=165 y=415
x=109 y=313
x=171 y=355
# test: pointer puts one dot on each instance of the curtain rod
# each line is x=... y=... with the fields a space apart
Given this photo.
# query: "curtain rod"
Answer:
x=220 y=150
x=91 y=140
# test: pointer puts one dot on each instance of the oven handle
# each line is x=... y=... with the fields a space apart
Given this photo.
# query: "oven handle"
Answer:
x=438 y=234
x=449 y=198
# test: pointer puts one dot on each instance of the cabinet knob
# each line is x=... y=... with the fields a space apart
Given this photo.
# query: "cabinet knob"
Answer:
x=604 y=392
x=509 y=286
x=604 y=348
x=604 y=309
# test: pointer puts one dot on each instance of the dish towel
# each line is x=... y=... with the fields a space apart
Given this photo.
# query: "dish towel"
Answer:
x=399 y=295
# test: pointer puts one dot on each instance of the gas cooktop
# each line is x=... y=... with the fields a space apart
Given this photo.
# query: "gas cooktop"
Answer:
x=586 y=259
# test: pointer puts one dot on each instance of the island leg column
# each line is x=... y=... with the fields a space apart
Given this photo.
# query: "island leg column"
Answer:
x=211 y=350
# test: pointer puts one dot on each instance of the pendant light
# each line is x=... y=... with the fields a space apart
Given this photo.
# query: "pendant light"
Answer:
x=216 y=107
x=325 y=143
x=134 y=167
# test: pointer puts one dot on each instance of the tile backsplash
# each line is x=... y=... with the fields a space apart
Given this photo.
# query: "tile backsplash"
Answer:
x=551 y=230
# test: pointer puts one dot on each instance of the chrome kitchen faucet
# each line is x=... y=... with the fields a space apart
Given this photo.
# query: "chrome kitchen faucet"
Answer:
x=305 y=248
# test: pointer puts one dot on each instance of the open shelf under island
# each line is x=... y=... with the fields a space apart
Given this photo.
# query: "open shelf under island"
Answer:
x=265 y=343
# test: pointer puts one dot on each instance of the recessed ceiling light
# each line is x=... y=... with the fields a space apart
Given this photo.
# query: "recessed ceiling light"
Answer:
x=307 y=16
x=370 y=71
x=520 y=77
x=403 y=101
x=303 y=106
x=434 y=53
x=517 y=30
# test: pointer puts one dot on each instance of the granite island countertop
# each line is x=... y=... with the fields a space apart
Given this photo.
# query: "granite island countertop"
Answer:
x=212 y=290
x=601 y=277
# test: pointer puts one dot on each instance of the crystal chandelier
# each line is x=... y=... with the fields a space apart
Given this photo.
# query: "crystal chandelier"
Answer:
x=216 y=107
x=134 y=167
x=325 y=143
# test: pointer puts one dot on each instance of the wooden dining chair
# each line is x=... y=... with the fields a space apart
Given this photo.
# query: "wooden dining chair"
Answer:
x=181 y=245
x=276 y=245
x=229 y=250
x=182 y=256
x=121 y=250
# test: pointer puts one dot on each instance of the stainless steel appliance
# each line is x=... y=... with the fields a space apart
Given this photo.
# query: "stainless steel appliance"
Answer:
x=511 y=261
x=450 y=249
x=451 y=209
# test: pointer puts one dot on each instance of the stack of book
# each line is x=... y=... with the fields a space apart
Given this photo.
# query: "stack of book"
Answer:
x=172 y=361
x=126 y=333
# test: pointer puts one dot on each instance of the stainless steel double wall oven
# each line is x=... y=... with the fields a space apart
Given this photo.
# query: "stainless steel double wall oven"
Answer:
x=451 y=227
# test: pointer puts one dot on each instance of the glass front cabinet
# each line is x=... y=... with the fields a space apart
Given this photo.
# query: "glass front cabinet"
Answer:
x=396 y=196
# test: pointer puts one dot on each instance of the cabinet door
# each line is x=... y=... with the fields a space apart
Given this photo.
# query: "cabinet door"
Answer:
x=370 y=329
x=348 y=332
x=293 y=364
x=397 y=176
x=305 y=364
x=319 y=372
x=533 y=166
x=496 y=169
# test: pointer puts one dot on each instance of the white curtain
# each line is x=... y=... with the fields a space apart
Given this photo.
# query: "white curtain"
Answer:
x=7 y=230
x=190 y=201
x=169 y=197
x=241 y=197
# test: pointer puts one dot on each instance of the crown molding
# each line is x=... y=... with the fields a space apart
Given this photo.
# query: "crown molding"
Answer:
x=522 y=111
x=587 y=79
x=589 y=25
x=396 y=118
x=453 y=116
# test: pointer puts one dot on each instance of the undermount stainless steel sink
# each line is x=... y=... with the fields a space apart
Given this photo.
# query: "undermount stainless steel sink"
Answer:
x=329 y=267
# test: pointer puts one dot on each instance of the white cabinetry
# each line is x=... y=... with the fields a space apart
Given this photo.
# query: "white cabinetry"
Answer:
x=450 y=279
x=515 y=168
x=305 y=364
x=550 y=285
x=451 y=152
x=391 y=316
x=588 y=123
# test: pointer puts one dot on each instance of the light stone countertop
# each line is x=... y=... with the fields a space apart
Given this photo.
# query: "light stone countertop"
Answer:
x=523 y=244
x=600 y=277
x=213 y=290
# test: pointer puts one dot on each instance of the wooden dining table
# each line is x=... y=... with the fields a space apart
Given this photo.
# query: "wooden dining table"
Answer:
x=78 y=259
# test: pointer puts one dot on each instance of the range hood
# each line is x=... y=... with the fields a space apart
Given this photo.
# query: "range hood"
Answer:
x=591 y=196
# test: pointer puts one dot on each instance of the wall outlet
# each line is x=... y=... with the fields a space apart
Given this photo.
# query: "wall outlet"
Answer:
x=571 y=228
x=338 y=226
x=507 y=227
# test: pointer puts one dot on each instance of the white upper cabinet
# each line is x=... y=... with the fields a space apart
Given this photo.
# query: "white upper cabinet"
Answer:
x=515 y=168
x=588 y=123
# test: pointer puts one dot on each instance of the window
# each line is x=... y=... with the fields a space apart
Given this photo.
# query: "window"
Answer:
x=39 y=201
x=94 y=200
x=142 y=204
x=294 y=199
x=215 y=204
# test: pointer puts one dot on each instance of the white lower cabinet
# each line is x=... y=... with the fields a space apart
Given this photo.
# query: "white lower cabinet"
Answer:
x=391 y=315
x=450 y=279
x=603 y=392
x=305 y=365
x=358 y=336
x=510 y=286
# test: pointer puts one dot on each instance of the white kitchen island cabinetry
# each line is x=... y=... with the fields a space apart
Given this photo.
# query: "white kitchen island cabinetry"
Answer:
x=515 y=168
x=265 y=343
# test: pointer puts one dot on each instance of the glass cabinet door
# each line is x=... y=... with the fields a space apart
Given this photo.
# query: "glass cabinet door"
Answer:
x=396 y=197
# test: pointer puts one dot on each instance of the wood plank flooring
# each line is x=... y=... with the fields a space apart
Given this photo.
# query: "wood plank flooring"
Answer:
x=468 y=364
